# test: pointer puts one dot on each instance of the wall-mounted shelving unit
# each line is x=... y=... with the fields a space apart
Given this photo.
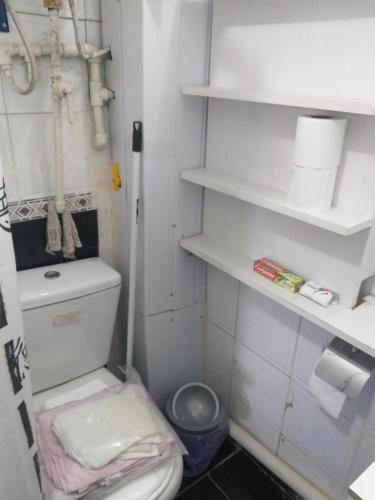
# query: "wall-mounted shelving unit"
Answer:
x=352 y=325
x=335 y=220
x=356 y=326
x=355 y=106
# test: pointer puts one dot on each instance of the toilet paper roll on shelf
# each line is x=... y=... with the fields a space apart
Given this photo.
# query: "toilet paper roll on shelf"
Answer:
x=317 y=153
x=319 y=142
x=341 y=372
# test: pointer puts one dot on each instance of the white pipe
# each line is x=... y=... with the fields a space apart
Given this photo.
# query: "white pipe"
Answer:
x=275 y=464
x=74 y=12
x=56 y=108
x=29 y=57
x=66 y=50
x=98 y=96
x=135 y=196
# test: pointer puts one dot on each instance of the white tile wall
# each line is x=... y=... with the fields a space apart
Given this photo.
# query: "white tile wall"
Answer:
x=364 y=456
x=300 y=47
x=93 y=9
x=328 y=441
x=7 y=159
x=277 y=407
x=219 y=350
x=222 y=294
x=169 y=350
x=260 y=385
x=214 y=382
x=309 y=469
x=256 y=425
x=26 y=126
x=267 y=328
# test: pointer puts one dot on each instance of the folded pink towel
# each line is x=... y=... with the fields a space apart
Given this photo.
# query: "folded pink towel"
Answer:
x=67 y=474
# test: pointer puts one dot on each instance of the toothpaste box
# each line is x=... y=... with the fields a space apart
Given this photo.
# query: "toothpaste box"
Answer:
x=278 y=274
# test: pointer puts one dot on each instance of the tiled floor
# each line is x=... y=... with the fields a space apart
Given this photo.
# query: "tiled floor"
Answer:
x=235 y=475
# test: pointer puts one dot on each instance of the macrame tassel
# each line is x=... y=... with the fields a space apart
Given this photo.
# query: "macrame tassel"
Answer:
x=71 y=239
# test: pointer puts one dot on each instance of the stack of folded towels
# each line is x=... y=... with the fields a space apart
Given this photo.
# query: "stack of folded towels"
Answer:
x=91 y=442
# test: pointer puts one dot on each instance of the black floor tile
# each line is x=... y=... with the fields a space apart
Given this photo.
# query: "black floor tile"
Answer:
x=287 y=489
x=204 y=489
x=240 y=477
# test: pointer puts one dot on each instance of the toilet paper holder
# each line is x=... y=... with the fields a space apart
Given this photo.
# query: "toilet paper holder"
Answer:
x=352 y=353
x=345 y=368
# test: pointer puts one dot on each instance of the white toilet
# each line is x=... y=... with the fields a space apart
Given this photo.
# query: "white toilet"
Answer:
x=69 y=313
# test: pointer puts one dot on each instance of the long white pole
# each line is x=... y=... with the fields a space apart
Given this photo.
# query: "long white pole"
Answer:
x=135 y=195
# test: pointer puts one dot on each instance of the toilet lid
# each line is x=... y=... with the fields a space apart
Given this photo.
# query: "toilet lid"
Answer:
x=148 y=486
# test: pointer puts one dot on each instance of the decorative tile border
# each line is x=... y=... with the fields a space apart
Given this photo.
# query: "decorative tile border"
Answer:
x=37 y=208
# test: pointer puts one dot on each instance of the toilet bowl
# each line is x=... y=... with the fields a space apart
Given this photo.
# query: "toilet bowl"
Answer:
x=69 y=313
x=160 y=483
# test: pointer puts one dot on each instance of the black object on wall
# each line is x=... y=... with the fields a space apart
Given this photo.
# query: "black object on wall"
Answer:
x=29 y=240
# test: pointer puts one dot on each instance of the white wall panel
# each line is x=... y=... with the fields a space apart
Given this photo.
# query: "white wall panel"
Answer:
x=9 y=165
x=174 y=52
x=218 y=353
x=169 y=350
x=93 y=9
x=301 y=45
x=267 y=328
x=220 y=389
x=260 y=385
x=310 y=469
x=320 y=48
x=256 y=425
x=37 y=175
x=222 y=296
x=364 y=456
x=328 y=441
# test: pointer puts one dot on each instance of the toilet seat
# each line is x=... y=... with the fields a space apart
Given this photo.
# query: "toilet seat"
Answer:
x=160 y=483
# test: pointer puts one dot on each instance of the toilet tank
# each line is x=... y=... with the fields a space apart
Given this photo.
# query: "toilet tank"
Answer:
x=69 y=312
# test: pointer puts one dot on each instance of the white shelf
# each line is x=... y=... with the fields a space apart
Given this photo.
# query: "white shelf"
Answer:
x=354 y=326
x=356 y=106
x=335 y=220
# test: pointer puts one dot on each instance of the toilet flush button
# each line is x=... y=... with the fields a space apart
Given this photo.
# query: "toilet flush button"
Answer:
x=51 y=275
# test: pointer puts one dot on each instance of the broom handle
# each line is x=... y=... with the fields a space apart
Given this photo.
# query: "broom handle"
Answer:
x=137 y=153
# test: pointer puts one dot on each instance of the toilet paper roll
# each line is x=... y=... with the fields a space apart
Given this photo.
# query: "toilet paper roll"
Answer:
x=342 y=373
x=330 y=399
x=338 y=376
x=319 y=141
x=312 y=189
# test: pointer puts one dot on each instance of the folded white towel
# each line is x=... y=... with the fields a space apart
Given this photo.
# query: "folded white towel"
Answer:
x=96 y=432
x=141 y=450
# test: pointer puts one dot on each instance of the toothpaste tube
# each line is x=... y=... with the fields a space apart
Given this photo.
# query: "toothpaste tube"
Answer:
x=319 y=294
x=278 y=274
